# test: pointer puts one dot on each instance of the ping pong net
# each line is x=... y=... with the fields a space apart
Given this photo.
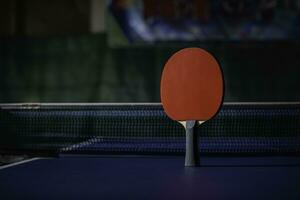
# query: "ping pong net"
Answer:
x=239 y=128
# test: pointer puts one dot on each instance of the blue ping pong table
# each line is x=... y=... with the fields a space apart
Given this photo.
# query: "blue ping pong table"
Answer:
x=151 y=177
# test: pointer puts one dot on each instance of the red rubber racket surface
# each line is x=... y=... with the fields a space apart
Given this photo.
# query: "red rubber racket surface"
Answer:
x=191 y=85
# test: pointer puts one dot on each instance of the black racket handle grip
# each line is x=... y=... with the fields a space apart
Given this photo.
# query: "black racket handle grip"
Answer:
x=191 y=151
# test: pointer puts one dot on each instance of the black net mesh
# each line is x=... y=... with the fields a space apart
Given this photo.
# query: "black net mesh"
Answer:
x=145 y=129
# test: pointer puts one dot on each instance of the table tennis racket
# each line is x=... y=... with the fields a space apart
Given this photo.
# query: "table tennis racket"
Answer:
x=191 y=92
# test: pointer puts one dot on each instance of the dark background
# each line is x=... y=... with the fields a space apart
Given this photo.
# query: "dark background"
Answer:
x=66 y=51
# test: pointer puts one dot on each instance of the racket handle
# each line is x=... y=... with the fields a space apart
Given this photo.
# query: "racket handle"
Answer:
x=191 y=149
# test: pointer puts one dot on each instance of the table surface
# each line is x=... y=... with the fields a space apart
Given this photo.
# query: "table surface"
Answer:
x=146 y=177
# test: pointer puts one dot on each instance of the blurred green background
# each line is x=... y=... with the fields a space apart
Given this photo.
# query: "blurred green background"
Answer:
x=80 y=64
